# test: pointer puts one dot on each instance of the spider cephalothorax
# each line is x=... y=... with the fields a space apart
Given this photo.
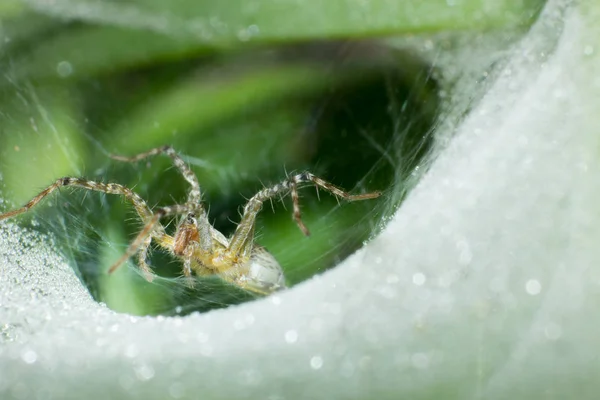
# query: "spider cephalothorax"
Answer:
x=203 y=249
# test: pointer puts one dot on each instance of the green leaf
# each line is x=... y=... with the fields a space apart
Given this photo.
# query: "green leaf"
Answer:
x=91 y=50
x=197 y=102
x=276 y=20
x=144 y=31
x=41 y=128
x=10 y=8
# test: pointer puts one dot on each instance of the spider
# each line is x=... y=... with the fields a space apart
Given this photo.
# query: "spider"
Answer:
x=203 y=249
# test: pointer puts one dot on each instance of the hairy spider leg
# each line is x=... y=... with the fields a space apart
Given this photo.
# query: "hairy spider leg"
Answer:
x=140 y=245
x=143 y=239
x=111 y=188
x=194 y=195
x=144 y=212
x=242 y=240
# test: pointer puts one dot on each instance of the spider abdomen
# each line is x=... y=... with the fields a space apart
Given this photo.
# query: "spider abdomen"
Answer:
x=263 y=274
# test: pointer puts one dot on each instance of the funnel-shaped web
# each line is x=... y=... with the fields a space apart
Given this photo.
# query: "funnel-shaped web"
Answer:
x=485 y=284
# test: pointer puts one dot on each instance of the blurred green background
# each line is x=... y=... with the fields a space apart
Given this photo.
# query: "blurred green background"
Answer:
x=245 y=91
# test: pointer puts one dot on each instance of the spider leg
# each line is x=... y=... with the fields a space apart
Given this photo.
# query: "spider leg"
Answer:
x=242 y=240
x=137 y=244
x=194 y=205
x=139 y=204
x=142 y=256
x=148 y=232
x=307 y=177
x=194 y=195
x=296 y=204
x=187 y=265
x=151 y=230
x=186 y=242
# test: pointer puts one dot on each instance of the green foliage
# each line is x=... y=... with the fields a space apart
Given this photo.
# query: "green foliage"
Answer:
x=245 y=91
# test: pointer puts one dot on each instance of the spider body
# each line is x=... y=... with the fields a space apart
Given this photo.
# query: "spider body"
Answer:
x=258 y=271
x=203 y=249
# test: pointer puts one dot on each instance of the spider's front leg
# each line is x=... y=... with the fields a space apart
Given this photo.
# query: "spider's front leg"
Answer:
x=193 y=241
x=242 y=240
x=189 y=235
x=193 y=232
x=263 y=274
x=186 y=242
x=257 y=270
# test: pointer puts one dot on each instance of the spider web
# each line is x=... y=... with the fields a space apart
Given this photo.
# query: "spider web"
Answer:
x=68 y=129
x=481 y=286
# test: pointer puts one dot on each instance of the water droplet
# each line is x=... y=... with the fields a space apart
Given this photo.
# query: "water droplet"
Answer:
x=419 y=279
x=316 y=362
x=247 y=33
x=131 y=351
x=254 y=29
x=533 y=287
x=291 y=336
x=64 y=69
x=144 y=372
x=29 y=356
